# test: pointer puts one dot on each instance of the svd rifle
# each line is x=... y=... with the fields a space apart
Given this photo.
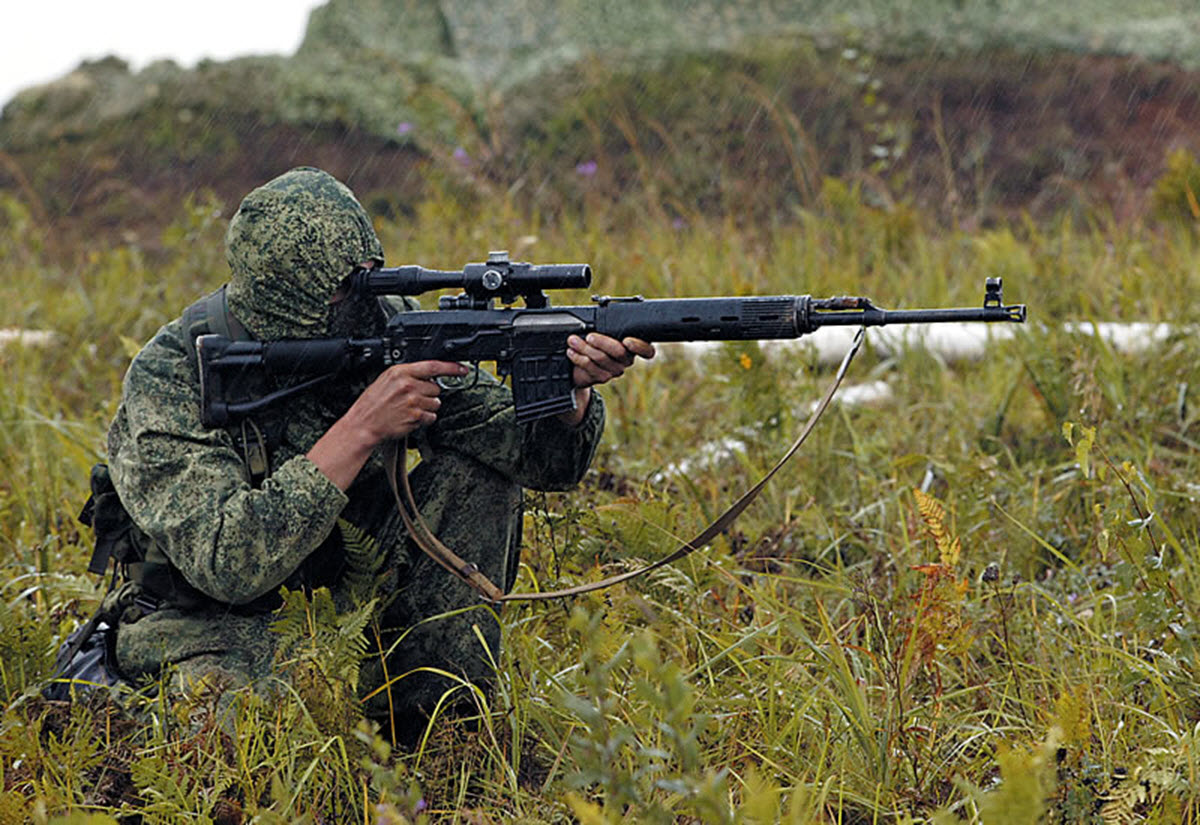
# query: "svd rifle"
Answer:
x=528 y=343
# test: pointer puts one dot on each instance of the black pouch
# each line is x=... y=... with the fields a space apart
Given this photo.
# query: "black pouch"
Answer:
x=84 y=666
x=87 y=660
x=116 y=536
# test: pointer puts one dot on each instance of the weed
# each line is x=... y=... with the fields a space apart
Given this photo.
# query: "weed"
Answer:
x=992 y=647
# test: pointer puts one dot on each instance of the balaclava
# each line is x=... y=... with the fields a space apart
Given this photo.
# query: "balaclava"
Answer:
x=289 y=246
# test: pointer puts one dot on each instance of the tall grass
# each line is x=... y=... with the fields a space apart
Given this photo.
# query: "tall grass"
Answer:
x=971 y=603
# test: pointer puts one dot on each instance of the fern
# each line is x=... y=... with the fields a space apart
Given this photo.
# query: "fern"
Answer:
x=314 y=631
x=320 y=651
x=933 y=513
x=1132 y=796
x=170 y=786
x=26 y=651
x=1026 y=783
x=365 y=563
x=935 y=622
x=1126 y=800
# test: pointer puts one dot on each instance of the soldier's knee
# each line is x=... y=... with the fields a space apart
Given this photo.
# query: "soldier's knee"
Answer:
x=463 y=475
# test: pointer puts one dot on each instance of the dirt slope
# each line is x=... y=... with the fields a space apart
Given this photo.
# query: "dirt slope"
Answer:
x=975 y=138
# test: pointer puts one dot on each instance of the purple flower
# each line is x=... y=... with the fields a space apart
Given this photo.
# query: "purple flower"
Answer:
x=679 y=223
x=404 y=128
x=460 y=155
x=586 y=169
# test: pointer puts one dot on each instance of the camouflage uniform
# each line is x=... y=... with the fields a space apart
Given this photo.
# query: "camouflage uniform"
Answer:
x=221 y=547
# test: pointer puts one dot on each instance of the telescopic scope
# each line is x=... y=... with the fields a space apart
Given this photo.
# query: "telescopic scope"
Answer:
x=497 y=277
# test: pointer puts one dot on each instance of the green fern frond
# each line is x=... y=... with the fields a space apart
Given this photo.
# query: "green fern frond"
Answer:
x=314 y=633
x=1130 y=796
x=365 y=562
x=291 y=619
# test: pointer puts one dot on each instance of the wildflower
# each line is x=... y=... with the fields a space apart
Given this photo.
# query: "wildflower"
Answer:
x=460 y=155
x=586 y=169
x=404 y=128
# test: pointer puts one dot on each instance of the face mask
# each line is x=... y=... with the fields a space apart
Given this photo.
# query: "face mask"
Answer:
x=355 y=316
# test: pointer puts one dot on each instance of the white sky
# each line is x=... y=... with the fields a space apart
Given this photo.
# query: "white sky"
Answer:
x=41 y=40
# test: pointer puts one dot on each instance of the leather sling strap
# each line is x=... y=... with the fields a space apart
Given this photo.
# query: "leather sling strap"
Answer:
x=395 y=462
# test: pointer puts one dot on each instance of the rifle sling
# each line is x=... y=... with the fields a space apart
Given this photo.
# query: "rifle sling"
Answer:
x=395 y=462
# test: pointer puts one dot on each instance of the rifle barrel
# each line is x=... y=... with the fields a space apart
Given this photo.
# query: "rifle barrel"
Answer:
x=872 y=316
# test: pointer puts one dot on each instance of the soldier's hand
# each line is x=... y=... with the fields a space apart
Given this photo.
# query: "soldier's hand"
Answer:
x=403 y=398
x=599 y=359
x=399 y=401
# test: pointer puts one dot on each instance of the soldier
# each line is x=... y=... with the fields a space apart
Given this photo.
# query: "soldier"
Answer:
x=226 y=517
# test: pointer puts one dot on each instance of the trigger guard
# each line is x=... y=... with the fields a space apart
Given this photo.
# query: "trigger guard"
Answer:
x=445 y=385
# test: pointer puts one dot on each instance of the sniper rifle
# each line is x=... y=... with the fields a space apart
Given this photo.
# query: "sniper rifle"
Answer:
x=528 y=343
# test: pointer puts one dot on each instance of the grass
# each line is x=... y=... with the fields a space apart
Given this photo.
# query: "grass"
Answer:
x=970 y=604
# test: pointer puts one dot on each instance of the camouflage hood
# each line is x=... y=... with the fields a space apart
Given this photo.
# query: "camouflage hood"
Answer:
x=289 y=246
